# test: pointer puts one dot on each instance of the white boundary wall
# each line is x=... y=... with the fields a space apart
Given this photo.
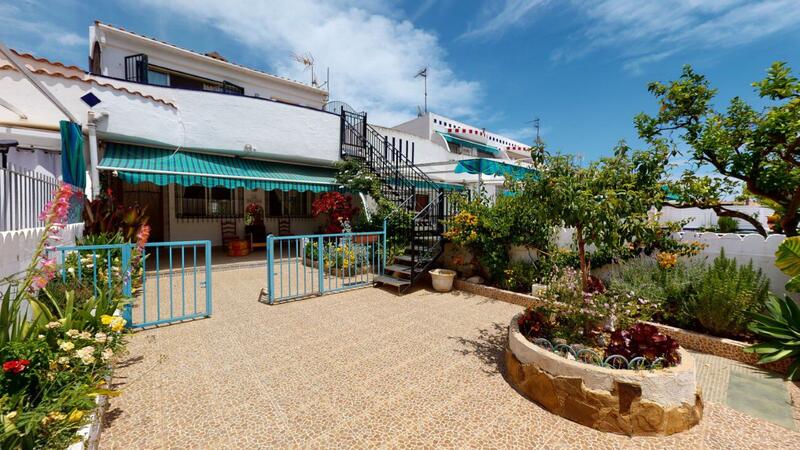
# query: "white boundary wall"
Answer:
x=741 y=247
x=744 y=248
x=17 y=246
x=707 y=218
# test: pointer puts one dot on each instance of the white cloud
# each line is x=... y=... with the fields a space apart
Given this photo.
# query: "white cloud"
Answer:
x=373 y=56
x=646 y=32
x=498 y=17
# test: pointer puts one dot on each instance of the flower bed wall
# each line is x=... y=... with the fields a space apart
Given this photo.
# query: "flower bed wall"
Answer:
x=632 y=402
x=717 y=346
x=90 y=433
x=722 y=347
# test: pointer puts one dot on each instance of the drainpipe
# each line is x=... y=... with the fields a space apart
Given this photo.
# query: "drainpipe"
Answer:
x=94 y=174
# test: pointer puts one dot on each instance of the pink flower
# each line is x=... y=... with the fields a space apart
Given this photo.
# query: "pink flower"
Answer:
x=39 y=282
x=143 y=235
x=49 y=264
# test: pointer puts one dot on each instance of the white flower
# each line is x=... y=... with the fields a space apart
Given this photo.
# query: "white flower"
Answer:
x=107 y=354
x=100 y=338
x=67 y=346
x=86 y=354
x=71 y=271
x=53 y=325
x=40 y=337
x=85 y=335
x=72 y=333
x=64 y=360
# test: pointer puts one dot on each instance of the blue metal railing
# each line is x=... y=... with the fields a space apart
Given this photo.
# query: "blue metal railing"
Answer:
x=167 y=292
x=316 y=264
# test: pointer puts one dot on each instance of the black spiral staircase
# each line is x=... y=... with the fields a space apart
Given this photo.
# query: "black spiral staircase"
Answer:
x=408 y=187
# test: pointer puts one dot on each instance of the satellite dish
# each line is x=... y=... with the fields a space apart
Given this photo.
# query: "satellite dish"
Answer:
x=336 y=107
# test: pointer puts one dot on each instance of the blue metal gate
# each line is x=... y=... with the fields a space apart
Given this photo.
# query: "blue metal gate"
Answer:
x=316 y=264
x=173 y=277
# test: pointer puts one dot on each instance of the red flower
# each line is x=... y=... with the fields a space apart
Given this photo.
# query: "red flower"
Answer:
x=15 y=366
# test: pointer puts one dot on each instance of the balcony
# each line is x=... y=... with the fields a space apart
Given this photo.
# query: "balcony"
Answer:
x=139 y=70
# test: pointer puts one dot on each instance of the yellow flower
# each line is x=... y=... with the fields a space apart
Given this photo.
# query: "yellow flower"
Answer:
x=117 y=324
x=75 y=415
x=667 y=260
x=67 y=346
x=106 y=319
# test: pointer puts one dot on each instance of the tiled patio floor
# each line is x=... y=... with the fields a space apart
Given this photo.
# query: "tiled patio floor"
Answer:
x=363 y=368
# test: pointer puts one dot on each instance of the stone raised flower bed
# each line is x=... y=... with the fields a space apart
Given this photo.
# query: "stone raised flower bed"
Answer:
x=632 y=402
x=692 y=340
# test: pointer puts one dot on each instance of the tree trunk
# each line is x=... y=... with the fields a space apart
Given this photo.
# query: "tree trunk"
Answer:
x=789 y=223
x=582 y=257
x=721 y=211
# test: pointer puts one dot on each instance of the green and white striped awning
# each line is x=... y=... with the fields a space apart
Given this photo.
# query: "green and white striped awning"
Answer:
x=138 y=164
x=469 y=144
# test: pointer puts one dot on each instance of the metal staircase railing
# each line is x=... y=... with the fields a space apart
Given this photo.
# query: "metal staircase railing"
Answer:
x=400 y=180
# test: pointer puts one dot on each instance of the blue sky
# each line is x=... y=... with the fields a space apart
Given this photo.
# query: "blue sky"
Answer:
x=581 y=67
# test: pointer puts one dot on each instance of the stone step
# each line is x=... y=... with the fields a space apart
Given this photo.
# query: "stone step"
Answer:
x=392 y=281
x=401 y=268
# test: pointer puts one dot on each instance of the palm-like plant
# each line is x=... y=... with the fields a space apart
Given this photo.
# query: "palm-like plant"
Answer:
x=780 y=326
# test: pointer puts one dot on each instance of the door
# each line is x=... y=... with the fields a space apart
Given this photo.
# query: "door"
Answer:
x=150 y=196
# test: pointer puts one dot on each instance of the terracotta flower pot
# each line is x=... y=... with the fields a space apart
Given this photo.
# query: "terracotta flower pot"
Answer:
x=365 y=238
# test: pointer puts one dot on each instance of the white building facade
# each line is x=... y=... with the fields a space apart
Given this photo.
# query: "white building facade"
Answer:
x=144 y=104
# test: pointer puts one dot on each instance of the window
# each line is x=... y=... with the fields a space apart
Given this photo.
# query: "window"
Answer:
x=94 y=62
x=157 y=78
x=289 y=203
x=221 y=203
x=192 y=200
x=230 y=88
x=202 y=202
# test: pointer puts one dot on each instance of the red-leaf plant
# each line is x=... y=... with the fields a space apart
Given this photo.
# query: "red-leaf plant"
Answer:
x=337 y=207
x=644 y=340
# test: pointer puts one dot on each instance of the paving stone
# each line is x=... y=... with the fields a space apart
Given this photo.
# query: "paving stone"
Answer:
x=360 y=369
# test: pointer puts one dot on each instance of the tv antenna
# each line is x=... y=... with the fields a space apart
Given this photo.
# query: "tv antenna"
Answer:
x=536 y=124
x=424 y=74
x=307 y=60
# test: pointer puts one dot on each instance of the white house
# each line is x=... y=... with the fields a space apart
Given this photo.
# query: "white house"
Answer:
x=152 y=113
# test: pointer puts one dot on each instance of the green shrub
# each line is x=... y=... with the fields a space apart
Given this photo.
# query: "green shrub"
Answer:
x=667 y=287
x=727 y=224
x=779 y=327
x=489 y=230
x=520 y=275
x=725 y=294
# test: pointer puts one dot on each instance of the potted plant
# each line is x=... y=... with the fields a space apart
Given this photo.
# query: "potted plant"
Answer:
x=364 y=224
x=442 y=279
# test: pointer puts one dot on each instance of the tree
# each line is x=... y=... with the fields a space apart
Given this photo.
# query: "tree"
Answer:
x=607 y=202
x=759 y=149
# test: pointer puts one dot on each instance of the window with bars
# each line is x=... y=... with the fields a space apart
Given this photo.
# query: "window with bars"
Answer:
x=202 y=202
x=288 y=203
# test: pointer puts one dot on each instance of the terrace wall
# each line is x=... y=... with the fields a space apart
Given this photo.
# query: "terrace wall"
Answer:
x=17 y=246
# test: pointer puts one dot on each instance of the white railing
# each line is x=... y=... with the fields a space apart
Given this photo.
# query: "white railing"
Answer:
x=23 y=194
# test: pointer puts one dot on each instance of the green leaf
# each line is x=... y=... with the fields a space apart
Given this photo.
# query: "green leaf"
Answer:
x=777 y=356
x=794 y=370
x=762 y=348
x=793 y=285
x=787 y=258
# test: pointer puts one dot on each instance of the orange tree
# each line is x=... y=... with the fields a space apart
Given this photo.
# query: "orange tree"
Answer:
x=759 y=149
x=606 y=203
